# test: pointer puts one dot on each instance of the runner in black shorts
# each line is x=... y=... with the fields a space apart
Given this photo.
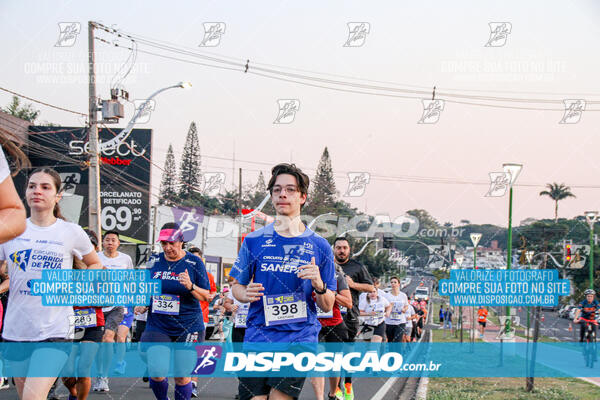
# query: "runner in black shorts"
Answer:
x=359 y=281
x=333 y=330
x=89 y=329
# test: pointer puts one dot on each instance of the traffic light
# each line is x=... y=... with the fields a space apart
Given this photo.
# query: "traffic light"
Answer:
x=522 y=257
x=388 y=242
x=567 y=253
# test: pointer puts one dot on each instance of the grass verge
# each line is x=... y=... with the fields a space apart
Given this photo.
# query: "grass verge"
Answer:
x=511 y=388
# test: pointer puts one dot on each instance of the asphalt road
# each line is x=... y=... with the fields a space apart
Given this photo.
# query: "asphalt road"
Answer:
x=211 y=388
x=551 y=325
x=226 y=388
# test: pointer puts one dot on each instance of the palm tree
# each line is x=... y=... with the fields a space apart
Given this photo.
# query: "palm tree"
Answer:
x=557 y=192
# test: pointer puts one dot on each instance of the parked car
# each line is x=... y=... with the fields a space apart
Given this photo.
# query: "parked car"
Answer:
x=550 y=308
x=572 y=312
x=565 y=311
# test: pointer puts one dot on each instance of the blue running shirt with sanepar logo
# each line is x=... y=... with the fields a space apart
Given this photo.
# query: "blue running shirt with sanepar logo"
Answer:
x=188 y=317
x=273 y=260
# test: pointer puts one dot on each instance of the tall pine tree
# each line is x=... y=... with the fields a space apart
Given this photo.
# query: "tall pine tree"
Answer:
x=189 y=171
x=261 y=186
x=168 y=184
x=323 y=194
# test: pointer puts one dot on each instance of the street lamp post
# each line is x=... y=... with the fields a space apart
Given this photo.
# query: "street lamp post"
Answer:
x=513 y=170
x=311 y=223
x=363 y=248
x=459 y=262
x=114 y=143
x=343 y=234
x=529 y=255
x=475 y=238
x=590 y=217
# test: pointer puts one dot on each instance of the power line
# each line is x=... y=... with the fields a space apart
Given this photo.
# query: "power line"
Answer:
x=242 y=61
x=241 y=68
x=42 y=102
x=281 y=74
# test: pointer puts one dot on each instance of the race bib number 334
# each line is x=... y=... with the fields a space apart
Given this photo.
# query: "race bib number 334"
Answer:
x=284 y=309
x=165 y=304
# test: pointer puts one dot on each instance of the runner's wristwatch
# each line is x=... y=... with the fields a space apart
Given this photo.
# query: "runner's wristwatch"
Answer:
x=192 y=289
x=321 y=291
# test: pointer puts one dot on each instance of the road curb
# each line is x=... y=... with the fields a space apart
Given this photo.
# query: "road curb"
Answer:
x=422 y=388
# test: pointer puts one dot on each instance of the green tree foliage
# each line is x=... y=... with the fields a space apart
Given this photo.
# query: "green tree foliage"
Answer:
x=557 y=192
x=168 y=184
x=26 y=112
x=189 y=170
x=323 y=195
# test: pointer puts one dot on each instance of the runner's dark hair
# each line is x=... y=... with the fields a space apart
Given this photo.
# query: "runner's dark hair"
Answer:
x=302 y=180
x=8 y=142
x=195 y=249
x=111 y=233
x=340 y=238
x=93 y=237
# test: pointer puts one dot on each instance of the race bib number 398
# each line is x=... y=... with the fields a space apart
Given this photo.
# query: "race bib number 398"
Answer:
x=165 y=304
x=284 y=309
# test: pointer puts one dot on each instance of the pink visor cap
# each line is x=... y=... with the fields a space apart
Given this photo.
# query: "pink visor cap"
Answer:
x=170 y=235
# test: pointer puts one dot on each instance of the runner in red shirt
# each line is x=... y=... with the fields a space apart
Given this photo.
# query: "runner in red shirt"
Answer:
x=333 y=330
x=205 y=309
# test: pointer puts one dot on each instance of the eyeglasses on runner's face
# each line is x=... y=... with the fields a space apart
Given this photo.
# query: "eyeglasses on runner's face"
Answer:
x=288 y=190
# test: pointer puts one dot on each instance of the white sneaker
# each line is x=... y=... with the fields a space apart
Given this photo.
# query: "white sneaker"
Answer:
x=103 y=385
x=4 y=383
x=96 y=385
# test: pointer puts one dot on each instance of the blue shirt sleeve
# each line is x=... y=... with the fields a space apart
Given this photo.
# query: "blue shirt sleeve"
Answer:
x=202 y=278
x=242 y=268
x=327 y=268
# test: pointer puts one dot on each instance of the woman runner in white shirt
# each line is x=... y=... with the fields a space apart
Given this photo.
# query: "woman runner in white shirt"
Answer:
x=376 y=308
x=49 y=242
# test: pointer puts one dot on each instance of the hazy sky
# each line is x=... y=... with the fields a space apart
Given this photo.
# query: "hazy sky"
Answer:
x=552 y=49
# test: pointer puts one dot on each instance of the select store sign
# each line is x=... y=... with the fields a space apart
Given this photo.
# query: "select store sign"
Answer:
x=124 y=175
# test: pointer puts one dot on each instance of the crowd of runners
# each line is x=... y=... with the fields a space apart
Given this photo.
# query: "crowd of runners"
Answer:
x=288 y=285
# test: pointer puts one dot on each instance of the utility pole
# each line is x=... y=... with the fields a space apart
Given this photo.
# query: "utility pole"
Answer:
x=94 y=222
x=240 y=211
x=154 y=216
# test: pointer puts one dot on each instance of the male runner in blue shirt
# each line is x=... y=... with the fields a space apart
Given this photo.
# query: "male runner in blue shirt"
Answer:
x=277 y=270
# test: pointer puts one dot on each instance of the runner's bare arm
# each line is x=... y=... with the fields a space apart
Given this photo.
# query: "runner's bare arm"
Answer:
x=247 y=293
x=344 y=298
x=12 y=212
x=4 y=275
x=361 y=287
x=140 y=309
x=229 y=305
x=311 y=271
x=388 y=310
x=197 y=292
x=92 y=261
